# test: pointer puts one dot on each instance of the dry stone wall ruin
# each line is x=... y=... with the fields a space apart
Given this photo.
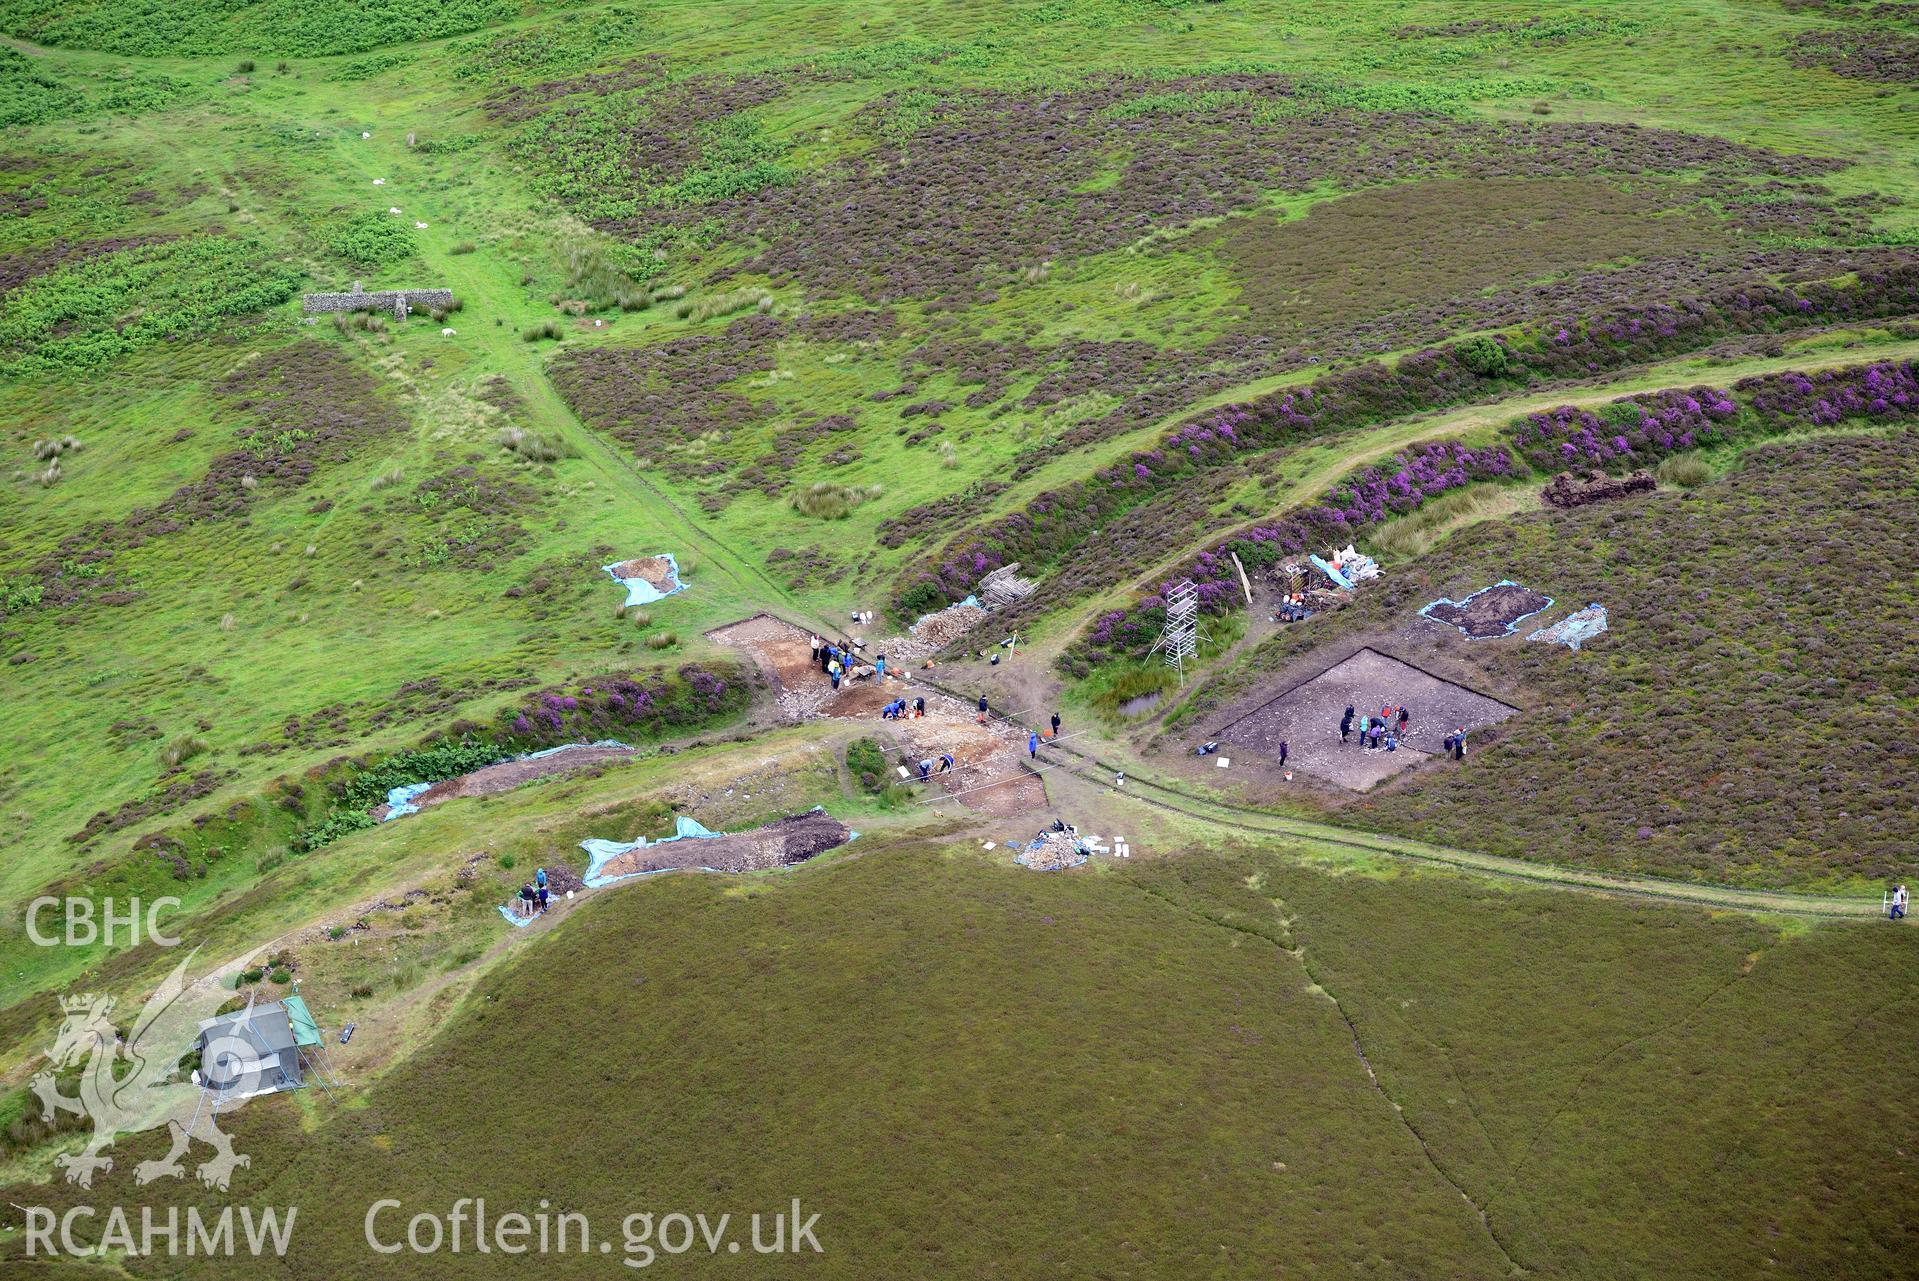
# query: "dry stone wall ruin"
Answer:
x=401 y=302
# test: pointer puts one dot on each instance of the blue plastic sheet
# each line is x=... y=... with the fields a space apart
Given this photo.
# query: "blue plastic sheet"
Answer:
x=1575 y=628
x=399 y=800
x=638 y=590
x=1326 y=568
x=599 y=853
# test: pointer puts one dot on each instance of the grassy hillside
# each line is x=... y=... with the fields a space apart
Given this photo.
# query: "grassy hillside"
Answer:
x=964 y=1070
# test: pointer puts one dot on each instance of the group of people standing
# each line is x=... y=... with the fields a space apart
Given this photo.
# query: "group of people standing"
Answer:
x=533 y=895
x=1386 y=731
x=1376 y=733
x=838 y=661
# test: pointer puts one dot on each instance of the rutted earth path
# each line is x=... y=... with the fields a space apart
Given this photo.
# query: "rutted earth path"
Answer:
x=1249 y=819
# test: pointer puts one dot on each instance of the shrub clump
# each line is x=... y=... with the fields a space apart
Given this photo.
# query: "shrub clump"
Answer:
x=650 y=703
x=866 y=761
x=370 y=240
x=828 y=500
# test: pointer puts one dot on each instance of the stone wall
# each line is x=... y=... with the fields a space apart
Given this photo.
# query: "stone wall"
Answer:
x=379 y=300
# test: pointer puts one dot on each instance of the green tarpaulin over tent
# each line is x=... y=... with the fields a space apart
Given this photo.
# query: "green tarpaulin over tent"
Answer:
x=305 y=1030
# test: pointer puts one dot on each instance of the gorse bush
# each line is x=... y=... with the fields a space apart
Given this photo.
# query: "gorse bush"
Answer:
x=365 y=787
x=866 y=761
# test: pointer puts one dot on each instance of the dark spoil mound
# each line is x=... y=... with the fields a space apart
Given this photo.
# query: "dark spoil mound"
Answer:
x=1490 y=612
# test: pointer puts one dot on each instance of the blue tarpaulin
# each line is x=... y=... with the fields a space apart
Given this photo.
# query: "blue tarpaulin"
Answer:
x=399 y=800
x=599 y=853
x=1326 y=568
x=638 y=590
x=1575 y=628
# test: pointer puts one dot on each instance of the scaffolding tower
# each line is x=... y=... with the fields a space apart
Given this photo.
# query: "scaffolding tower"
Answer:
x=1179 y=638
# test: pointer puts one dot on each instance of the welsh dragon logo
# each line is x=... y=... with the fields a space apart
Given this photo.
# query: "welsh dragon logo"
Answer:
x=155 y=1091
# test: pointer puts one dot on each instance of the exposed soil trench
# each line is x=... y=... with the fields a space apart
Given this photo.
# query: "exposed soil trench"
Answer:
x=987 y=773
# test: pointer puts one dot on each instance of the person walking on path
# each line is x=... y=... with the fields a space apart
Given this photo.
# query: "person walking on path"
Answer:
x=1282 y=753
x=1898 y=902
x=1055 y=724
x=1459 y=744
x=1032 y=746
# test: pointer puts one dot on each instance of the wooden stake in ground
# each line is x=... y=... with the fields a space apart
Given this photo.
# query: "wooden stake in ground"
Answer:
x=1244 y=585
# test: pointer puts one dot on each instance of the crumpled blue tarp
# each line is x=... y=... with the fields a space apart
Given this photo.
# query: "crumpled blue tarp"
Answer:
x=599 y=853
x=399 y=800
x=1326 y=568
x=638 y=590
x=1575 y=628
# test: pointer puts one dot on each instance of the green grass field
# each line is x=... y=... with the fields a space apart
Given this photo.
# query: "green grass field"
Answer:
x=842 y=306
